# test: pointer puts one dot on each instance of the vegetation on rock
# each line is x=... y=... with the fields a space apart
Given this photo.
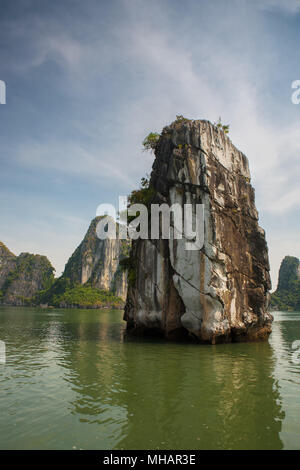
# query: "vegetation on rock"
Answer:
x=144 y=195
x=79 y=296
x=223 y=127
x=181 y=119
x=150 y=141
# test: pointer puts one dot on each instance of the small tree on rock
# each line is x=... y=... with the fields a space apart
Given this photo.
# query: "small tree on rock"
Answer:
x=220 y=125
x=150 y=141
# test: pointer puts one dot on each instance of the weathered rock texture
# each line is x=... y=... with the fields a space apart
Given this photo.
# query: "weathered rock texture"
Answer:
x=22 y=276
x=221 y=292
x=7 y=263
x=97 y=261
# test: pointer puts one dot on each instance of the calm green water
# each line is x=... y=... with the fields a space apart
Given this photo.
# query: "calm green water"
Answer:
x=70 y=380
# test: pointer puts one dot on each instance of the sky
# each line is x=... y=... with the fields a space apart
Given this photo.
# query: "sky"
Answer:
x=87 y=81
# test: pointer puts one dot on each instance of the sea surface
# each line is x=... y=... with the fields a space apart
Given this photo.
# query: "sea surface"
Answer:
x=72 y=380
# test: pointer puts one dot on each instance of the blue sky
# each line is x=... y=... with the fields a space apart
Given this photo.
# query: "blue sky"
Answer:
x=86 y=81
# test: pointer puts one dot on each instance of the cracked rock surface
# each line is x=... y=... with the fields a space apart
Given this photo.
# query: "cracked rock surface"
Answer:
x=221 y=292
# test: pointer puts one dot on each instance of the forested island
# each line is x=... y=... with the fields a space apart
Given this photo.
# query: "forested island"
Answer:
x=287 y=294
x=92 y=277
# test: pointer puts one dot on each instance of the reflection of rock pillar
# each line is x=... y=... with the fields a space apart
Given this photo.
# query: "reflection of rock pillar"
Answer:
x=200 y=398
x=94 y=373
x=249 y=398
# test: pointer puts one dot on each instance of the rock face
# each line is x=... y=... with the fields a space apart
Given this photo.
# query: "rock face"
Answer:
x=287 y=295
x=22 y=276
x=7 y=263
x=97 y=261
x=221 y=292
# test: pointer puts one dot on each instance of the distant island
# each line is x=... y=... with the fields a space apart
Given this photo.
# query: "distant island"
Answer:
x=93 y=277
x=22 y=276
x=287 y=295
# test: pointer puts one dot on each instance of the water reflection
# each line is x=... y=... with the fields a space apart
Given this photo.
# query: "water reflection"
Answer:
x=216 y=397
x=286 y=329
x=73 y=381
x=172 y=395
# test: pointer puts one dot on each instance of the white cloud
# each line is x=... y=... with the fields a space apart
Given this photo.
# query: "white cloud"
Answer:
x=70 y=159
x=205 y=80
x=180 y=87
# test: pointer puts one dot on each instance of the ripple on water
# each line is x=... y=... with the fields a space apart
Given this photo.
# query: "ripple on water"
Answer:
x=71 y=380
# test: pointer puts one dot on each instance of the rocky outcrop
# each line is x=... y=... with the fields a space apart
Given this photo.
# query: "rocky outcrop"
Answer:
x=92 y=277
x=97 y=261
x=287 y=295
x=7 y=263
x=21 y=277
x=219 y=293
x=288 y=273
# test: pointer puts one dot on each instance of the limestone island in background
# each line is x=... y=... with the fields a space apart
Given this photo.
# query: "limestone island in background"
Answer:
x=287 y=294
x=92 y=277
